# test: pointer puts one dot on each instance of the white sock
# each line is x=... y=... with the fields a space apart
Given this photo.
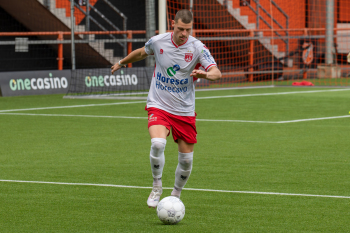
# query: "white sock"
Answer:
x=157 y=159
x=182 y=173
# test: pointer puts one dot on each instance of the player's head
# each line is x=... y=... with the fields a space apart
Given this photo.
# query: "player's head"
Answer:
x=182 y=26
x=185 y=16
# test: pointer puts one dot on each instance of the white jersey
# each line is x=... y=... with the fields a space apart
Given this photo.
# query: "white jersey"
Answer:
x=172 y=87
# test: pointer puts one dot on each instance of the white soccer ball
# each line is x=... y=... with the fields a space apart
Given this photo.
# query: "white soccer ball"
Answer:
x=171 y=210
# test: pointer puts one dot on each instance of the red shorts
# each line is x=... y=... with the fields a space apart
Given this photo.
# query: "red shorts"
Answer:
x=182 y=127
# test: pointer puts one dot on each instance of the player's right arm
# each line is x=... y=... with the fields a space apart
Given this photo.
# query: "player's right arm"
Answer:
x=134 y=56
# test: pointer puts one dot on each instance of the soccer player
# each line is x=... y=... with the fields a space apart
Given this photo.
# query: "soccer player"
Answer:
x=171 y=98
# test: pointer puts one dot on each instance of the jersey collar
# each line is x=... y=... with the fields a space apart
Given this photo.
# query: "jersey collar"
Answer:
x=175 y=43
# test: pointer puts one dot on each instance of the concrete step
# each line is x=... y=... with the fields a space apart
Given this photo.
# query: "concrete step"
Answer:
x=251 y=26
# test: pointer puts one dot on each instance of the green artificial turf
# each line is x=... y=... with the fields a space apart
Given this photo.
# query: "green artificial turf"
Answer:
x=260 y=161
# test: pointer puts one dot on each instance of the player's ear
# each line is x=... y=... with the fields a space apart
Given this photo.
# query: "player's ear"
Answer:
x=173 y=23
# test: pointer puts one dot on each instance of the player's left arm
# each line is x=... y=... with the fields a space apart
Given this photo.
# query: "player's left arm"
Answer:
x=212 y=74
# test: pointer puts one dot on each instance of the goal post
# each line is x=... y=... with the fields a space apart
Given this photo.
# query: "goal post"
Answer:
x=162 y=19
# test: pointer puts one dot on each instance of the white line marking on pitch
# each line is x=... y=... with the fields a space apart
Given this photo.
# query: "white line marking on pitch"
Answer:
x=72 y=106
x=243 y=121
x=64 y=115
x=266 y=94
x=314 y=119
x=127 y=117
x=197 y=98
x=191 y=189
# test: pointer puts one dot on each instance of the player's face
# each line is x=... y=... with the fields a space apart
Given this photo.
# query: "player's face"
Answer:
x=181 y=31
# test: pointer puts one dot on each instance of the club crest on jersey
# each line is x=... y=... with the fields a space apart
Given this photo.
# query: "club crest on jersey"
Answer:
x=188 y=57
x=161 y=51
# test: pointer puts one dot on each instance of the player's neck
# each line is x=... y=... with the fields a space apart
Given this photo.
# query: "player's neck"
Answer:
x=178 y=43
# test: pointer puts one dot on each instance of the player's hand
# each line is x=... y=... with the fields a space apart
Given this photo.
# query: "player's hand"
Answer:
x=199 y=74
x=116 y=67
